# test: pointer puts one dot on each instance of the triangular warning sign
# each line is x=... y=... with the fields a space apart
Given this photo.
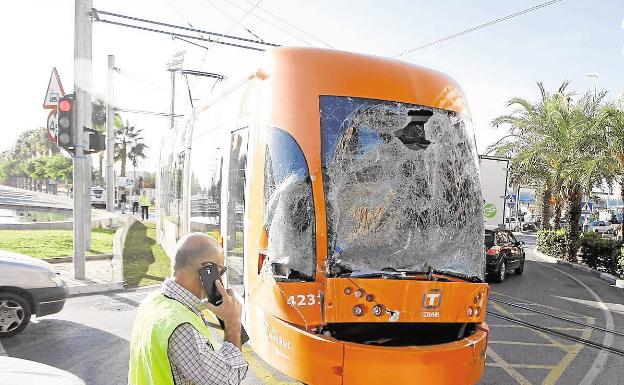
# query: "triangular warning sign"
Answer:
x=54 y=91
x=585 y=207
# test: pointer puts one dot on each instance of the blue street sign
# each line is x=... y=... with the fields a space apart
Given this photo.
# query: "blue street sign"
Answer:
x=587 y=207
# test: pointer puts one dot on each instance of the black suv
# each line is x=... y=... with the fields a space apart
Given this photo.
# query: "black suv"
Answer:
x=503 y=254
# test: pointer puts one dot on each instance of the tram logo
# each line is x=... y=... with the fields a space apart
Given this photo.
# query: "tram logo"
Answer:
x=432 y=299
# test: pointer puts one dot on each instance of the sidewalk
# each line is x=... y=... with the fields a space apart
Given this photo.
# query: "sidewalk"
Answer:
x=100 y=277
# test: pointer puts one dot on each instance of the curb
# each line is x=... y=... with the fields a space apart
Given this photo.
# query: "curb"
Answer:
x=93 y=288
x=611 y=279
x=87 y=257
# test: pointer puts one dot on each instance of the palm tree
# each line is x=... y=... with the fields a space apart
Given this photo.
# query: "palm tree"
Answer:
x=532 y=162
x=137 y=152
x=615 y=139
x=559 y=141
x=98 y=118
x=126 y=138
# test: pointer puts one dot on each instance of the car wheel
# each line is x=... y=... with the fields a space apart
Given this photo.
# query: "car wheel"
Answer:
x=14 y=314
x=500 y=275
x=520 y=269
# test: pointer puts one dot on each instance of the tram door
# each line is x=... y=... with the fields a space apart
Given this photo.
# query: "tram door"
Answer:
x=235 y=198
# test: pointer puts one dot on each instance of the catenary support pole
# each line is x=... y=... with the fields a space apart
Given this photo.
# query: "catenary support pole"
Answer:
x=82 y=83
x=172 y=121
x=110 y=136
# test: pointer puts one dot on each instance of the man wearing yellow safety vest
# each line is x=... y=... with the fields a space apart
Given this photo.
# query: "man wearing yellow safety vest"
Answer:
x=144 y=202
x=174 y=334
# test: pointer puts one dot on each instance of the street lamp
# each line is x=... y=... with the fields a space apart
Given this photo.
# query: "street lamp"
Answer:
x=595 y=76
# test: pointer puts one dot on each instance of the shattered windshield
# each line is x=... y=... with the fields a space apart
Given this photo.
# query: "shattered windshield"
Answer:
x=402 y=188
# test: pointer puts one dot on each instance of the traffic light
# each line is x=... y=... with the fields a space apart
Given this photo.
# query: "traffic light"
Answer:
x=65 y=135
x=97 y=141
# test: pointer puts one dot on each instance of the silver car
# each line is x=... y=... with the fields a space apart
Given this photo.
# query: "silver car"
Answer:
x=28 y=286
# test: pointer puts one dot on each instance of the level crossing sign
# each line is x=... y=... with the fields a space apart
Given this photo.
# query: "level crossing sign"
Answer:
x=54 y=92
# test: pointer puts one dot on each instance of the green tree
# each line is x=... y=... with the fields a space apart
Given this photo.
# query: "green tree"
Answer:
x=60 y=168
x=127 y=137
x=136 y=153
x=560 y=142
x=98 y=117
x=532 y=161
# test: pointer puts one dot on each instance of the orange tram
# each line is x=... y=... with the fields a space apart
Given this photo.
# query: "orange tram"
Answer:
x=345 y=189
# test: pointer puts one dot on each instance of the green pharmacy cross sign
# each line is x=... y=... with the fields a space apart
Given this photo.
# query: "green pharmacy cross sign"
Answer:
x=489 y=210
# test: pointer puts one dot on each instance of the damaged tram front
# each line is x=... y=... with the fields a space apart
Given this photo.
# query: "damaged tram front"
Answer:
x=346 y=191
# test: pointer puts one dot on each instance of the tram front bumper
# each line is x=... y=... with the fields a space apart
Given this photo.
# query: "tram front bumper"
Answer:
x=456 y=363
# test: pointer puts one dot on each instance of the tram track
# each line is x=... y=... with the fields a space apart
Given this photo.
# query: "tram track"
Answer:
x=556 y=317
x=544 y=329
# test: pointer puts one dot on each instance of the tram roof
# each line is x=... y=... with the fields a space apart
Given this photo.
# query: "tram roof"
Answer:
x=330 y=72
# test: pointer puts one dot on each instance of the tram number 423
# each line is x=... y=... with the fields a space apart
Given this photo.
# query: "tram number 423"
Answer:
x=304 y=300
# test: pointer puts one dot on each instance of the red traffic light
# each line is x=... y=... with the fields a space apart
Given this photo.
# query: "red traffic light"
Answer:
x=64 y=105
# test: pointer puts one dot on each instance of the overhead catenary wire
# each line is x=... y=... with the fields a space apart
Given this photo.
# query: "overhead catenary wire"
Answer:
x=178 y=34
x=271 y=24
x=96 y=13
x=232 y=18
x=165 y=114
x=291 y=25
x=480 y=26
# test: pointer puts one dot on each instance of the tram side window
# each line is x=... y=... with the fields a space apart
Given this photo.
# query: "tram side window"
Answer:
x=288 y=209
x=205 y=207
x=236 y=206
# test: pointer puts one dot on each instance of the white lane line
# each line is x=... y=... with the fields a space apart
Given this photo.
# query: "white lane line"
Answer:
x=2 y=351
x=601 y=359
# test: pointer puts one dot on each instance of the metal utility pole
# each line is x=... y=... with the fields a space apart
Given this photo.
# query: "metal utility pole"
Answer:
x=82 y=85
x=174 y=66
x=172 y=119
x=110 y=137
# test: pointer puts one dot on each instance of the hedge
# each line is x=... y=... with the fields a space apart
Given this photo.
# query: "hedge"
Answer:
x=602 y=254
x=551 y=242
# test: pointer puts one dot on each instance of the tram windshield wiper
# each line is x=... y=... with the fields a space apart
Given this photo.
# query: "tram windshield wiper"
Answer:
x=368 y=273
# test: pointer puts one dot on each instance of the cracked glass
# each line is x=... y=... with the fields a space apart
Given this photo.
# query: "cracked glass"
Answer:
x=288 y=209
x=402 y=188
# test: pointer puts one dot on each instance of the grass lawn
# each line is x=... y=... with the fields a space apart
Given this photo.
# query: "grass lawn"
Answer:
x=53 y=243
x=145 y=262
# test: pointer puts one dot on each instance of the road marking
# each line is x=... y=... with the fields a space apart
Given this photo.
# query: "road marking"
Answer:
x=513 y=373
x=2 y=351
x=540 y=305
x=524 y=327
x=601 y=358
x=523 y=366
x=527 y=343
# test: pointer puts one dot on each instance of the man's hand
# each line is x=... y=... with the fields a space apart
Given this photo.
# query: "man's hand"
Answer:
x=230 y=313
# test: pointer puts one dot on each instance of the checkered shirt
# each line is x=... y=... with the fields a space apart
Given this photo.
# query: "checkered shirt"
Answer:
x=194 y=361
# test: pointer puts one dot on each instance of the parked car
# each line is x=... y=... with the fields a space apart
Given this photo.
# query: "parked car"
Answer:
x=602 y=227
x=19 y=371
x=29 y=286
x=503 y=254
x=98 y=197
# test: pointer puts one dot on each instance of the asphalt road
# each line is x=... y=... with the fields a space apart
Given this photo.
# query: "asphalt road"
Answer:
x=90 y=336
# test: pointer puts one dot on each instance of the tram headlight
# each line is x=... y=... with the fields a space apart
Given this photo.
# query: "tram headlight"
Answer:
x=347 y=290
x=377 y=310
x=470 y=312
x=359 y=293
x=358 y=310
x=477 y=311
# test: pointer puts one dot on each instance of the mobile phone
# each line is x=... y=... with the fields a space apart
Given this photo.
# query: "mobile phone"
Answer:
x=209 y=275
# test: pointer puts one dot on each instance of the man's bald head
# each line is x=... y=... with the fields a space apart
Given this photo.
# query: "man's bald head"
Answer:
x=195 y=249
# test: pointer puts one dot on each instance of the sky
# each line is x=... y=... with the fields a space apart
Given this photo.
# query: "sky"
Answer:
x=564 y=41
